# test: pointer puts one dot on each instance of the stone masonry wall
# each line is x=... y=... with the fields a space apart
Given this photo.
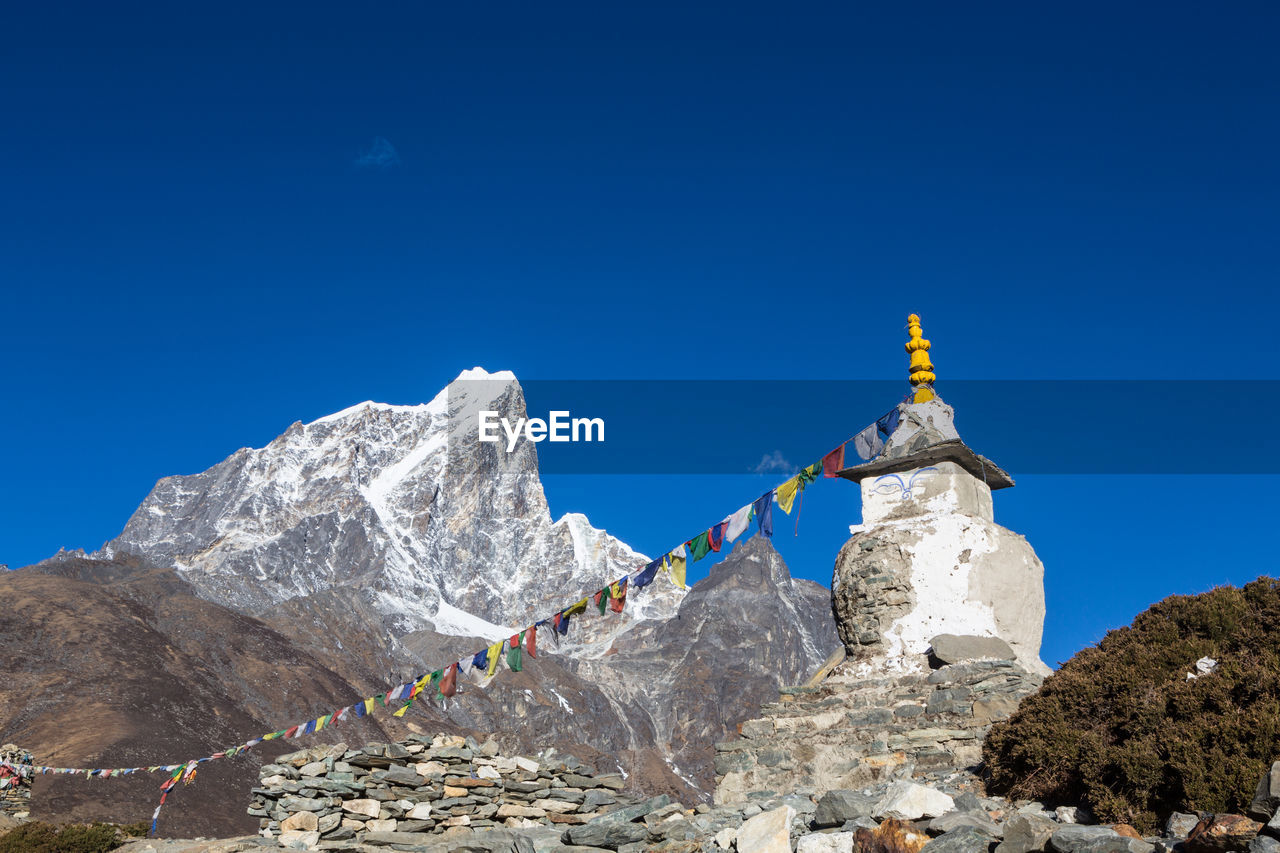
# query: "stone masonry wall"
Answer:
x=15 y=796
x=413 y=791
x=858 y=729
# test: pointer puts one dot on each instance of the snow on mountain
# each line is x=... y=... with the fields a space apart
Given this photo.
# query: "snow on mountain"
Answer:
x=403 y=503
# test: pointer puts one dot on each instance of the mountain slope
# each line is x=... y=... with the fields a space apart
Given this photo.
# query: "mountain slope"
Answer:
x=122 y=665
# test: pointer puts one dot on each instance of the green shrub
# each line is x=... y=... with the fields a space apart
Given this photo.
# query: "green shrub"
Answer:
x=1120 y=729
x=42 y=838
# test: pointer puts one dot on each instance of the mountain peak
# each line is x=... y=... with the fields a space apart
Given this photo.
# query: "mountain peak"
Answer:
x=391 y=502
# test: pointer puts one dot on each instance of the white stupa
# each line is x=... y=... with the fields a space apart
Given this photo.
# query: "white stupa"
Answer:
x=928 y=558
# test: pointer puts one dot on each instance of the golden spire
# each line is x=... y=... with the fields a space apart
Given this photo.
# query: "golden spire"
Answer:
x=921 y=368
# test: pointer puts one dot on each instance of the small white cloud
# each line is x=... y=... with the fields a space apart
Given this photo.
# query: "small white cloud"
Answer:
x=772 y=463
x=381 y=155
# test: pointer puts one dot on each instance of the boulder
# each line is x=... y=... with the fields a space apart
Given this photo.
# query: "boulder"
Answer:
x=1267 y=796
x=1218 y=833
x=615 y=828
x=1095 y=839
x=604 y=833
x=767 y=832
x=956 y=820
x=839 y=806
x=910 y=801
x=1024 y=833
x=966 y=839
x=825 y=842
x=891 y=836
x=1180 y=824
x=1263 y=844
x=1075 y=814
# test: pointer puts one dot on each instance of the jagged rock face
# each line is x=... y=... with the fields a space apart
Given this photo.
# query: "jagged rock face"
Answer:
x=402 y=503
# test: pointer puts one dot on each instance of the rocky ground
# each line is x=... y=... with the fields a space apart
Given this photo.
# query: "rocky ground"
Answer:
x=414 y=796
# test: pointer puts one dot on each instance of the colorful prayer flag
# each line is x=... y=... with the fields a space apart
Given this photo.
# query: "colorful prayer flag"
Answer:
x=495 y=654
x=737 y=523
x=787 y=493
x=763 y=511
x=449 y=681
x=699 y=546
x=676 y=563
x=648 y=573
x=833 y=462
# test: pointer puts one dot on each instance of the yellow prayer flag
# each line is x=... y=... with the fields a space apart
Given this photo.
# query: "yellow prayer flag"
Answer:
x=321 y=721
x=675 y=566
x=403 y=708
x=368 y=704
x=787 y=493
x=495 y=652
x=580 y=607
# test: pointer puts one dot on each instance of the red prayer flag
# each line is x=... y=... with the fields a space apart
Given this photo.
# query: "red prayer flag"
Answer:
x=531 y=640
x=449 y=683
x=833 y=462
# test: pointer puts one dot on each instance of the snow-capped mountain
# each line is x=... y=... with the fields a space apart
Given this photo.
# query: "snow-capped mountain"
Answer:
x=403 y=503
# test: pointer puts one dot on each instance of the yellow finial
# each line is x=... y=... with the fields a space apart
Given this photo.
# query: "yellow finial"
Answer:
x=921 y=368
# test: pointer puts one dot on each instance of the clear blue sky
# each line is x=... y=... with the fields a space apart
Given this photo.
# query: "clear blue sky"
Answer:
x=202 y=238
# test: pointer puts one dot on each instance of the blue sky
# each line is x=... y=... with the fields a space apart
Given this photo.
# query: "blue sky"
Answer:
x=214 y=224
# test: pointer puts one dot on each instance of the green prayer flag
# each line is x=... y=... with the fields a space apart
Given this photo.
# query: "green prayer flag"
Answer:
x=515 y=657
x=699 y=546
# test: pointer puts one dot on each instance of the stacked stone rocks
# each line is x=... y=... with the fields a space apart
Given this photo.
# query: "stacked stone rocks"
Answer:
x=857 y=729
x=406 y=793
x=15 y=796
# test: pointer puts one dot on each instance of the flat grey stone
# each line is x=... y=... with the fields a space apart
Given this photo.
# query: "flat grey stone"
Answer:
x=966 y=839
x=957 y=648
x=957 y=820
x=837 y=807
x=1096 y=839
x=1180 y=824
x=1026 y=834
x=1264 y=844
